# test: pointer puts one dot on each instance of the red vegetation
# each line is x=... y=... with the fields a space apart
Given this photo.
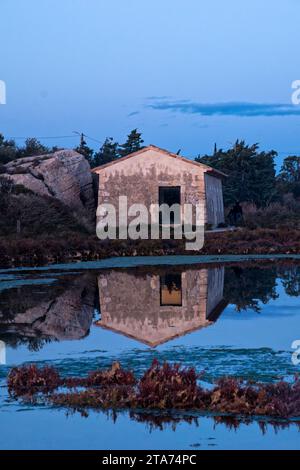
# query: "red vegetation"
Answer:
x=169 y=386
x=162 y=387
x=114 y=376
x=40 y=250
x=29 y=380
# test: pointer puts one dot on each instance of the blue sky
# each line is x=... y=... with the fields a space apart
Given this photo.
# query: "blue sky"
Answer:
x=187 y=74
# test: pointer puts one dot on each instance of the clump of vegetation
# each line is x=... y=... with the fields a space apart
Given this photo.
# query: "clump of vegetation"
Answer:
x=169 y=386
x=113 y=376
x=275 y=215
x=162 y=387
x=30 y=380
x=26 y=214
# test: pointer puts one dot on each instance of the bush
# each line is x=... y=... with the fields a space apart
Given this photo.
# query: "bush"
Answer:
x=275 y=215
x=37 y=215
x=6 y=186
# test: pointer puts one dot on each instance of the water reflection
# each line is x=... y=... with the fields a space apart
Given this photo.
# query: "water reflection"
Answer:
x=158 y=306
x=152 y=305
x=36 y=315
x=165 y=419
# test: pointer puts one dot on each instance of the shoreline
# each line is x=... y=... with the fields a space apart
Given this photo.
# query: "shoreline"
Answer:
x=128 y=262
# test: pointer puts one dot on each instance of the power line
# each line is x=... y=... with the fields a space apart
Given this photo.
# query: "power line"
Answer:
x=92 y=138
x=290 y=152
x=56 y=137
x=45 y=137
x=287 y=152
x=82 y=136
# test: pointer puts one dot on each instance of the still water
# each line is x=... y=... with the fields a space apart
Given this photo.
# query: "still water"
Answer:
x=237 y=319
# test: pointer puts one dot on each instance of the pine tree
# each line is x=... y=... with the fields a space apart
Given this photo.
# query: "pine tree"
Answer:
x=8 y=150
x=32 y=148
x=85 y=150
x=133 y=143
x=288 y=180
x=251 y=174
x=107 y=153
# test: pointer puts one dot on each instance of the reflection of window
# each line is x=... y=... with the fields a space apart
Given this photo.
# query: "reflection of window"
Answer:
x=170 y=290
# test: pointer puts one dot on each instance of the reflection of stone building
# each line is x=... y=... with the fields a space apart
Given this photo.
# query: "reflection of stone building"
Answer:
x=155 y=308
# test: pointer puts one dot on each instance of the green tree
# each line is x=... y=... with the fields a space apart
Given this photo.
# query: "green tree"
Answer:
x=8 y=150
x=32 y=147
x=85 y=150
x=251 y=174
x=133 y=143
x=107 y=153
x=288 y=180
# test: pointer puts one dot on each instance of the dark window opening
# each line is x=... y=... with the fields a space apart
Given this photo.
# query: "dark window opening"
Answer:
x=170 y=290
x=169 y=195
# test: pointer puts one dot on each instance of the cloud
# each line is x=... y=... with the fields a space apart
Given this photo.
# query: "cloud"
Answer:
x=162 y=97
x=242 y=109
x=134 y=113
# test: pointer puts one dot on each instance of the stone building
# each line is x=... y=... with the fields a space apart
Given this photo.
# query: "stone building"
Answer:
x=155 y=176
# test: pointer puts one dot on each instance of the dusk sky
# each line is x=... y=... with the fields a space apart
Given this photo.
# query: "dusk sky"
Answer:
x=186 y=74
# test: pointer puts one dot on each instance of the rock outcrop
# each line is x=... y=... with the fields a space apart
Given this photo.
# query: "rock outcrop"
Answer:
x=65 y=175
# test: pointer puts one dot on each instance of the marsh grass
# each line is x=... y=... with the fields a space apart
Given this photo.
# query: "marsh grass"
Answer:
x=162 y=387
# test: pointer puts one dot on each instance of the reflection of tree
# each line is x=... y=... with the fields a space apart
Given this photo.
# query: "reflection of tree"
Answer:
x=33 y=343
x=172 y=282
x=290 y=280
x=247 y=287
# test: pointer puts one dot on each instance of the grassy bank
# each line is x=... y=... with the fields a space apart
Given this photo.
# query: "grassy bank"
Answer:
x=72 y=246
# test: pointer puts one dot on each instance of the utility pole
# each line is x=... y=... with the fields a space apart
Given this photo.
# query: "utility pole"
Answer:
x=82 y=136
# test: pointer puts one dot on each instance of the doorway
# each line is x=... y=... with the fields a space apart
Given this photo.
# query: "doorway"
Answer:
x=170 y=195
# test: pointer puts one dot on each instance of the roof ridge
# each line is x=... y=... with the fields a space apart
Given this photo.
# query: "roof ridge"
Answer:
x=159 y=149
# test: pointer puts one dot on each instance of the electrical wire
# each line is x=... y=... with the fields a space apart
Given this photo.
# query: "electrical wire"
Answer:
x=285 y=152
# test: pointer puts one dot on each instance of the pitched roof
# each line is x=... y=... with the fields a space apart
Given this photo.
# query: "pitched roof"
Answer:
x=212 y=318
x=208 y=169
x=152 y=343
